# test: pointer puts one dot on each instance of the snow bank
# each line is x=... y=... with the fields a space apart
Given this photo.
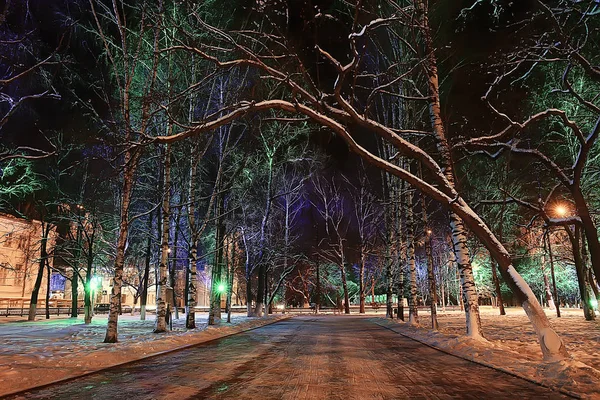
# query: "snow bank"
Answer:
x=511 y=345
x=42 y=352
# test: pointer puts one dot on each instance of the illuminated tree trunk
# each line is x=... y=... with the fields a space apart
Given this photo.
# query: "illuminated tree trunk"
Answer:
x=547 y=291
x=131 y=158
x=190 y=311
x=163 y=268
x=146 y=277
x=400 y=240
x=575 y=237
x=413 y=315
x=344 y=282
x=499 y=299
x=459 y=238
x=45 y=230
x=49 y=277
x=262 y=269
x=173 y=268
x=87 y=294
x=74 y=294
x=361 y=279
x=430 y=267
x=214 y=314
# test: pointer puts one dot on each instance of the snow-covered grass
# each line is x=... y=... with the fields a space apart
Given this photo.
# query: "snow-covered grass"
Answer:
x=40 y=352
x=511 y=345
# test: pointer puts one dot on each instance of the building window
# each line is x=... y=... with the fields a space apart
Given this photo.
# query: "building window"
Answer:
x=19 y=274
x=3 y=276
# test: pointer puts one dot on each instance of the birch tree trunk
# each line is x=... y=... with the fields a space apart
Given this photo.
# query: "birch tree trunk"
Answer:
x=430 y=267
x=163 y=268
x=262 y=271
x=344 y=282
x=556 y=301
x=547 y=290
x=214 y=315
x=413 y=314
x=190 y=311
x=146 y=277
x=459 y=239
x=131 y=158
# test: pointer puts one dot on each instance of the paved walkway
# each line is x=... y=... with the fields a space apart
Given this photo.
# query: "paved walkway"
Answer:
x=303 y=358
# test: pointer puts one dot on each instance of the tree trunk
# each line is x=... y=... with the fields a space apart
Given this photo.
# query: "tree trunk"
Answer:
x=146 y=277
x=345 y=288
x=318 y=300
x=173 y=268
x=430 y=267
x=547 y=291
x=575 y=238
x=458 y=231
x=214 y=315
x=413 y=315
x=499 y=300
x=589 y=228
x=40 y=275
x=361 y=279
x=192 y=279
x=556 y=300
x=161 y=292
x=48 y=290
x=432 y=283
x=74 y=294
x=389 y=277
x=88 y=290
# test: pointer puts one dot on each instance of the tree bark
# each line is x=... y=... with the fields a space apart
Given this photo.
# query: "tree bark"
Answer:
x=214 y=315
x=45 y=227
x=575 y=237
x=413 y=314
x=556 y=300
x=161 y=292
x=48 y=290
x=459 y=239
x=146 y=277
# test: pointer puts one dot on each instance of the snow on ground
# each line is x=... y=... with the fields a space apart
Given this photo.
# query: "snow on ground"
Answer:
x=512 y=345
x=40 y=352
x=36 y=353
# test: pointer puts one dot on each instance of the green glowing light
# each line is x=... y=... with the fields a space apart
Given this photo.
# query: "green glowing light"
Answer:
x=95 y=283
x=221 y=288
x=594 y=303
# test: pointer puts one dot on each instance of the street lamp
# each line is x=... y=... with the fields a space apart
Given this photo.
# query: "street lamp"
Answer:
x=561 y=210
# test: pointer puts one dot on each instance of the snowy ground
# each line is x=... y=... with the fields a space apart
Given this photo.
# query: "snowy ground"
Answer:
x=511 y=345
x=40 y=352
x=36 y=353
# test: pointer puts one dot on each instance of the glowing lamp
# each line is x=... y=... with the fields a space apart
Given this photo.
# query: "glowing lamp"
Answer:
x=561 y=210
x=221 y=288
x=95 y=283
